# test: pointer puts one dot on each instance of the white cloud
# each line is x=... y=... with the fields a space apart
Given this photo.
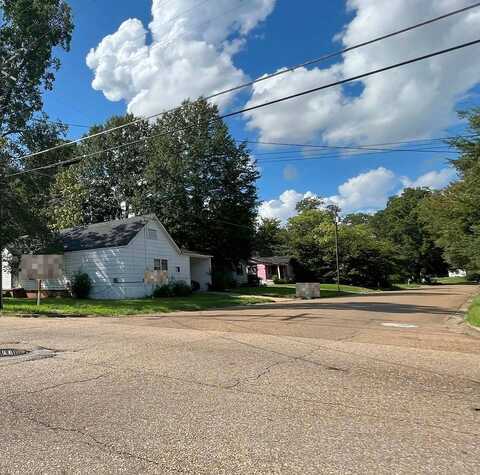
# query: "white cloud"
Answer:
x=290 y=173
x=365 y=192
x=434 y=179
x=414 y=101
x=369 y=190
x=283 y=207
x=190 y=53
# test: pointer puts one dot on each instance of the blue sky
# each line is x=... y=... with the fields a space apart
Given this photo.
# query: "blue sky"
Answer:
x=195 y=47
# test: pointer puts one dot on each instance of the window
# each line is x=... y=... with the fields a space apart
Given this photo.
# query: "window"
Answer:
x=152 y=234
x=160 y=264
x=178 y=268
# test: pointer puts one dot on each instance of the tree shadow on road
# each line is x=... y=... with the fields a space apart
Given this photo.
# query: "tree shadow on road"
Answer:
x=365 y=306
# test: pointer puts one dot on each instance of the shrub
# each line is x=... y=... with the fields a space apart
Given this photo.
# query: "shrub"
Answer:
x=253 y=281
x=277 y=280
x=222 y=281
x=181 y=289
x=81 y=285
x=172 y=289
x=195 y=286
x=473 y=276
x=163 y=291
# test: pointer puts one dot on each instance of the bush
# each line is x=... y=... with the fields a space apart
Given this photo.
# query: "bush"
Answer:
x=195 y=286
x=172 y=289
x=253 y=281
x=473 y=276
x=181 y=289
x=163 y=291
x=81 y=285
x=222 y=281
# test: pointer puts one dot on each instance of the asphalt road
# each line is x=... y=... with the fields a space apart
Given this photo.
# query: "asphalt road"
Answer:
x=382 y=383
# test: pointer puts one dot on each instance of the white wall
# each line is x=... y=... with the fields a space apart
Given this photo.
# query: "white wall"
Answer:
x=201 y=269
x=118 y=272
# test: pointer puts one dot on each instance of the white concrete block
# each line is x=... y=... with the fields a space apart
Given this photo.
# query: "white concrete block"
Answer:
x=308 y=290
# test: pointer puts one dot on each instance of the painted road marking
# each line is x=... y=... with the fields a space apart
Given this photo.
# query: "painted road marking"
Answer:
x=399 y=325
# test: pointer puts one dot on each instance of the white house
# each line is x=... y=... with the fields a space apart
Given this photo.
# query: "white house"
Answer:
x=117 y=254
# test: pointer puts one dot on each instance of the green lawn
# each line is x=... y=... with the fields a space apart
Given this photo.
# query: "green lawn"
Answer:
x=473 y=316
x=452 y=280
x=398 y=286
x=129 y=307
x=288 y=290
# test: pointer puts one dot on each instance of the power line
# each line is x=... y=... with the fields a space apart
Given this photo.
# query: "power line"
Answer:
x=347 y=147
x=281 y=99
x=306 y=159
x=275 y=101
x=264 y=78
x=354 y=78
x=420 y=143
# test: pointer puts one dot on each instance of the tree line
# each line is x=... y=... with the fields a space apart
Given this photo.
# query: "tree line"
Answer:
x=187 y=169
x=420 y=233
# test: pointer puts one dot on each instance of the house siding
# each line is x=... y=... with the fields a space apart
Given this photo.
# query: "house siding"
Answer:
x=201 y=272
x=118 y=272
x=262 y=271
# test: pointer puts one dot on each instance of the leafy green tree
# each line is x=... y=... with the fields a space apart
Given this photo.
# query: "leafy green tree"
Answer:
x=270 y=238
x=30 y=33
x=302 y=238
x=452 y=215
x=357 y=218
x=400 y=223
x=365 y=259
x=309 y=203
x=201 y=184
x=103 y=186
x=185 y=168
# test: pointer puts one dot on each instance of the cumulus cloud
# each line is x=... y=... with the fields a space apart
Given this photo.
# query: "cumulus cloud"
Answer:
x=415 y=101
x=190 y=53
x=283 y=207
x=434 y=179
x=366 y=192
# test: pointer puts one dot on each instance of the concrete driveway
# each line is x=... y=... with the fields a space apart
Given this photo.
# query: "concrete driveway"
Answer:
x=380 y=383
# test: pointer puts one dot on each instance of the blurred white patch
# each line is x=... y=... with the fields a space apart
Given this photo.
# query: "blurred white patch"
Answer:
x=290 y=173
x=399 y=325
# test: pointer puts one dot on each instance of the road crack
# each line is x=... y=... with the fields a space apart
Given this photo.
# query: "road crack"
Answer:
x=105 y=447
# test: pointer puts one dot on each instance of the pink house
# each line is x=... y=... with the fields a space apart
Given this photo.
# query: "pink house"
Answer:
x=268 y=268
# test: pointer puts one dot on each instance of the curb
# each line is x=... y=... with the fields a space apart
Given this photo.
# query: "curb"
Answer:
x=471 y=326
x=45 y=315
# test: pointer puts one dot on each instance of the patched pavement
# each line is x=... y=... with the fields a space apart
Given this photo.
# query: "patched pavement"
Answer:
x=379 y=383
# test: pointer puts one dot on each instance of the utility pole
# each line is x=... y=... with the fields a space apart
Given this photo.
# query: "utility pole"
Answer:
x=2 y=193
x=336 y=253
x=335 y=210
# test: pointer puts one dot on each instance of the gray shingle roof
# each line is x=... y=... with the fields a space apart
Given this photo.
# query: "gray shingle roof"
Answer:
x=275 y=260
x=101 y=235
